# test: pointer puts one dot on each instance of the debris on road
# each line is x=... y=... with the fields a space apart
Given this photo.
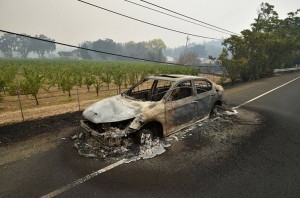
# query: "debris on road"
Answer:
x=89 y=145
x=230 y=112
x=74 y=137
x=149 y=150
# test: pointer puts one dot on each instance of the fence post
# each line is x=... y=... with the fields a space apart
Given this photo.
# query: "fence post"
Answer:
x=78 y=96
x=20 y=104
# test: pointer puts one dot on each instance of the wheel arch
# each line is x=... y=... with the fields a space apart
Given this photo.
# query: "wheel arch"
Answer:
x=218 y=103
x=156 y=128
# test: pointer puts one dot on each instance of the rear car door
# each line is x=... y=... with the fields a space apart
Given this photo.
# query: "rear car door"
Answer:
x=205 y=97
x=180 y=107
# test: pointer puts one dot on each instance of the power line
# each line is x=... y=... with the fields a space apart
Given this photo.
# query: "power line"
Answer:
x=188 y=17
x=185 y=33
x=92 y=50
x=176 y=17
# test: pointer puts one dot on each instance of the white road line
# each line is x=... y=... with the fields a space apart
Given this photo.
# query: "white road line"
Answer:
x=264 y=94
x=83 y=179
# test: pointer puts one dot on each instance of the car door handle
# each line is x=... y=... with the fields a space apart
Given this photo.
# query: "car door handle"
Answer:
x=195 y=101
x=212 y=94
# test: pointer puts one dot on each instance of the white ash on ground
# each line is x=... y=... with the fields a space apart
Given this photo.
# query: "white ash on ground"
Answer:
x=149 y=150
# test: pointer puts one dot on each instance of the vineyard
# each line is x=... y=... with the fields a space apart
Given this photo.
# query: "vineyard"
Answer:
x=35 y=83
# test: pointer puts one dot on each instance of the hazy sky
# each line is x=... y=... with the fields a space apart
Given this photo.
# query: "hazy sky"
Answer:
x=72 y=22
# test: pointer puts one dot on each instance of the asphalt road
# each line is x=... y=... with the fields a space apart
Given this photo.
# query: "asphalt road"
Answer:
x=265 y=164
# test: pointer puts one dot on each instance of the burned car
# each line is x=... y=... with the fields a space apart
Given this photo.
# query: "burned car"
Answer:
x=155 y=107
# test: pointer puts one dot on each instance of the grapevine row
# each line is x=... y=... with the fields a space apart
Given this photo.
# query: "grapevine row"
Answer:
x=29 y=76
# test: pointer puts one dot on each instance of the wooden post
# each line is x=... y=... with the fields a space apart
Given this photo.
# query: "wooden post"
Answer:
x=20 y=104
x=78 y=96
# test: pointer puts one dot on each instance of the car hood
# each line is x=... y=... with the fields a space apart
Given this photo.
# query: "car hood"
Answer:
x=114 y=109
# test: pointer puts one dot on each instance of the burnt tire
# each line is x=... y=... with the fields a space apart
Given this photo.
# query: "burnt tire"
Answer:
x=214 y=111
x=143 y=136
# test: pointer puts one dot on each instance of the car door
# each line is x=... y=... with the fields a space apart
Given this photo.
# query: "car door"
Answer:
x=180 y=107
x=205 y=96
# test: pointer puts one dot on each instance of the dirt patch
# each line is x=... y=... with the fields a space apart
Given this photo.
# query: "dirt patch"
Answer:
x=41 y=112
x=13 y=133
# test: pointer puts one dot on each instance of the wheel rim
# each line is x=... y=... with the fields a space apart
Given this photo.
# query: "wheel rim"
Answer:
x=145 y=138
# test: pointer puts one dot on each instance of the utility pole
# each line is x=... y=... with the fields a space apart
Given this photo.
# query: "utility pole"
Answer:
x=187 y=40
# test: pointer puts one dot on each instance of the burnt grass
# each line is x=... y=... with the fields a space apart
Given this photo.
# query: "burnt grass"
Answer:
x=16 y=132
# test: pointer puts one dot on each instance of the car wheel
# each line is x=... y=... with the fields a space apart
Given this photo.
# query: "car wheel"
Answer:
x=214 y=111
x=144 y=136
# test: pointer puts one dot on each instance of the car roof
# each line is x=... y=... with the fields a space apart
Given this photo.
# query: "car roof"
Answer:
x=174 y=77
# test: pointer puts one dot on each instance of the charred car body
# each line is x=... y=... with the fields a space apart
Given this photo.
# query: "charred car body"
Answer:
x=157 y=106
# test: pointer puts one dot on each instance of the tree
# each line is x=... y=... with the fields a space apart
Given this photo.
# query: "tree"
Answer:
x=190 y=58
x=42 y=47
x=234 y=67
x=78 y=73
x=271 y=43
x=107 y=45
x=132 y=76
x=138 y=50
x=7 y=75
x=200 y=50
x=233 y=54
x=24 y=45
x=290 y=29
x=84 y=54
x=107 y=76
x=66 y=54
x=155 y=50
x=118 y=77
x=32 y=82
x=66 y=80
x=267 y=19
x=7 y=44
x=97 y=73
x=89 y=80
